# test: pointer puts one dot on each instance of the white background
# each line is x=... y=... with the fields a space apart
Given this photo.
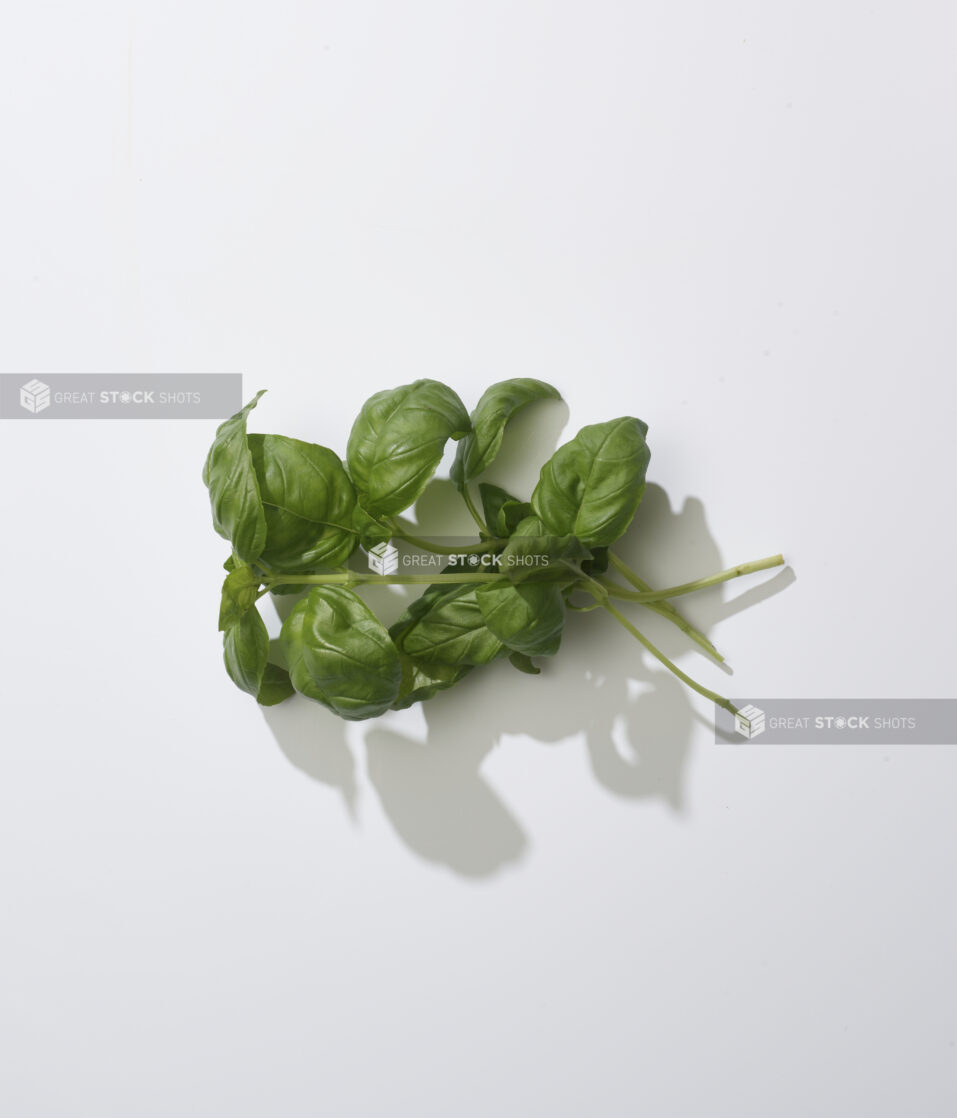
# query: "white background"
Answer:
x=538 y=896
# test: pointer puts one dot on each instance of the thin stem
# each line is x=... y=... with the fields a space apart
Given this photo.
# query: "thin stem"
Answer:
x=659 y=655
x=353 y=578
x=698 y=584
x=470 y=505
x=665 y=609
x=443 y=549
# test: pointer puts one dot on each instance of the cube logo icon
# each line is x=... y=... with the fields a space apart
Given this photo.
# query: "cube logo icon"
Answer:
x=34 y=396
x=383 y=558
x=749 y=721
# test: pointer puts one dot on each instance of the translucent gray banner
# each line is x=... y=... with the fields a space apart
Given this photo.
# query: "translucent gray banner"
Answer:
x=839 y=722
x=120 y=396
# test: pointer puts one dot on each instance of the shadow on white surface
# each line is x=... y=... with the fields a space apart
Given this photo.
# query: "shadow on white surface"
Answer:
x=634 y=718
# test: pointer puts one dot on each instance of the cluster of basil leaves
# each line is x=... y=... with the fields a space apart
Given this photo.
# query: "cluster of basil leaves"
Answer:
x=291 y=508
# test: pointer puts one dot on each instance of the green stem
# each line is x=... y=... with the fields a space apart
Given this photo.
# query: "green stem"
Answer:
x=659 y=655
x=443 y=549
x=354 y=578
x=470 y=505
x=698 y=584
x=665 y=609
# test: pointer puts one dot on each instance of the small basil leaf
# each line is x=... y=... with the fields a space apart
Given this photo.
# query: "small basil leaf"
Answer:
x=369 y=529
x=245 y=651
x=542 y=558
x=240 y=589
x=233 y=488
x=339 y=654
x=523 y=663
x=503 y=512
x=421 y=681
x=446 y=627
x=529 y=526
x=591 y=486
x=398 y=441
x=276 y=686
x=498 y=406
x=526 y=618
x=598 y=563
x=308 y=502
x=231 y=563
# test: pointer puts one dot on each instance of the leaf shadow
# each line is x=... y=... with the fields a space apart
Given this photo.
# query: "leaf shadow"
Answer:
x=635 y=719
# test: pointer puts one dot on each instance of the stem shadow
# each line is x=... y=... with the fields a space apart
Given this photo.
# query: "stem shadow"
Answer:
x=602 y=691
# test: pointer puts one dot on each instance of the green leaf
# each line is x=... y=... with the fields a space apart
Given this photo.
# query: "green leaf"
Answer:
x=424 y=681
x=339 y=654
x=233 y=489
x=591 y=486
x=532 y=556
x=445 y=627
x=526 y=618
x=503 y=512
x=398 y=441
x=240 y=590
x=308 y=502
x=276 y=686
x=245 y=651
x=523 y=663
x=369 y=529
x=498 y=406
x=598 y=563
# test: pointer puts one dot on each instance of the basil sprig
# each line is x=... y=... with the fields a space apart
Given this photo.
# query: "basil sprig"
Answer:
x=294 y=514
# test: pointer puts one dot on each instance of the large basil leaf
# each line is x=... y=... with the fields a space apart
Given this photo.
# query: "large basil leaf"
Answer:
x=526 y=618
x=339 y=654
x=308 y=501
x=591 y=486
x=445 y=626
x=498 y=406
x=398 y=441
x=233 y=488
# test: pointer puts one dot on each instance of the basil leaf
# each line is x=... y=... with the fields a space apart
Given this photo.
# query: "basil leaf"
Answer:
x=523 y=663
x=445 y=626
x=398 y=441
x=233 y=489
x=423 y=681
x=276 y=686
x=240 y=589
x=540 y=557
x=526 y=618
x=369 y=530
x=498 y=406
x=591 y=486
x=245 y=651
x=503 y=512
x=339 y=654
x=308 y=501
